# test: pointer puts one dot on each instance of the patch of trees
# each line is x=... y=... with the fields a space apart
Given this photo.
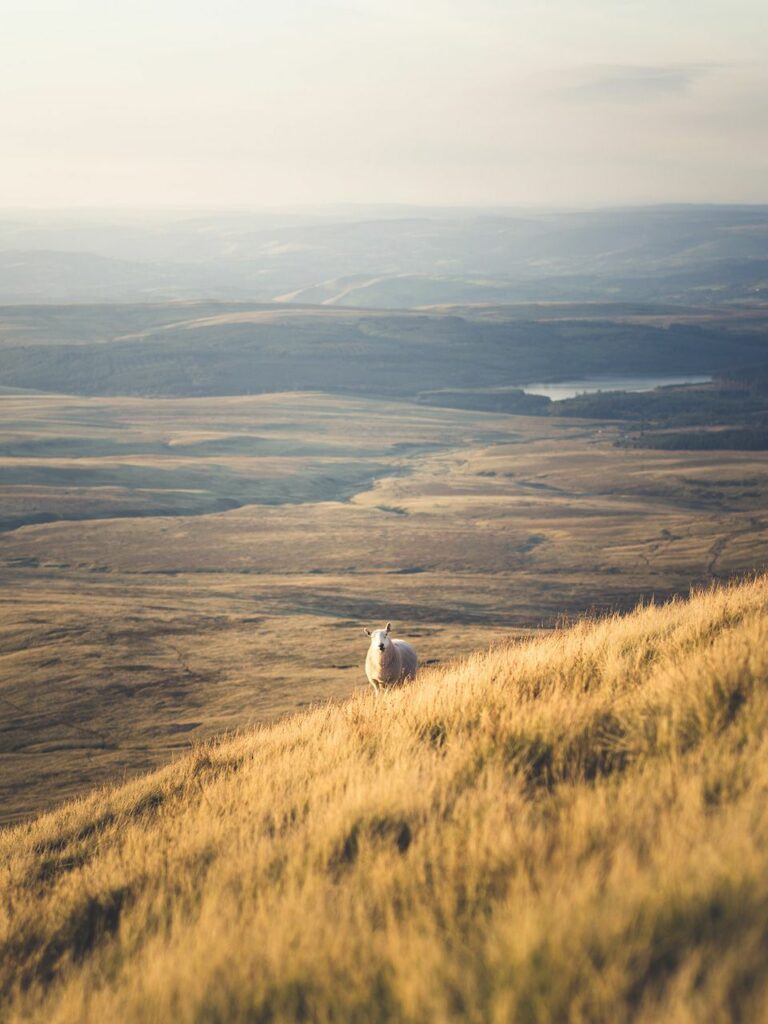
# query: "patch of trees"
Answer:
x=696 y=405
x=737 y=439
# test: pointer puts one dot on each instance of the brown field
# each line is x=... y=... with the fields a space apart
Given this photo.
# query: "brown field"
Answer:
x=217 y=557
x=571 y=828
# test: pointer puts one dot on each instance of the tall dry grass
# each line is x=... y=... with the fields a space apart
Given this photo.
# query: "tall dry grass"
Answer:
x=573 y=828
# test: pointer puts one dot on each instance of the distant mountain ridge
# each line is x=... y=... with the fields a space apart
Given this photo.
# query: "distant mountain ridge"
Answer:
x=386 y=258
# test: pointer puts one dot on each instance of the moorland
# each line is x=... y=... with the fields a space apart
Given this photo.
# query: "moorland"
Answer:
x=175 y=568
x=206 y=494
x=571 y=827
x=243 y=444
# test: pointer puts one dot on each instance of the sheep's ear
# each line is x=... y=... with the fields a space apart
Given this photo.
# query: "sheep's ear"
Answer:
x=389 y=627
x=366 y=631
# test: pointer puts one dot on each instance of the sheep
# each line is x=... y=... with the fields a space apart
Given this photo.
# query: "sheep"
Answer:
x=389 y=662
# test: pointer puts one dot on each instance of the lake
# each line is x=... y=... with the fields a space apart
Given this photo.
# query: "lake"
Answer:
x=560 y=390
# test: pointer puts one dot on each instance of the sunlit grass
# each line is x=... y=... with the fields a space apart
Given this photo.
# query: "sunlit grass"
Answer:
x=571 y=828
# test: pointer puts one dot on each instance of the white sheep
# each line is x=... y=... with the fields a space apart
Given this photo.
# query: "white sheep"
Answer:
x=389 y=662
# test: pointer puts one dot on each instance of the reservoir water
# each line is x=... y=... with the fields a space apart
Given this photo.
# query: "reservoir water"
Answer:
x=560 y=390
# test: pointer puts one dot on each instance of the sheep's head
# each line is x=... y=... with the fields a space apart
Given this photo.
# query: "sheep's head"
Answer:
x=380 y=637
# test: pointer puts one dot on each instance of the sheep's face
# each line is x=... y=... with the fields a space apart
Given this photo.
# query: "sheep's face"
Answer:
x=380 y=638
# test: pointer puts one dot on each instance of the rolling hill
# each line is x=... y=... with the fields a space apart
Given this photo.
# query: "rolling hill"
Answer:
x=196 y=349
x=572 y=827
x=388 y=257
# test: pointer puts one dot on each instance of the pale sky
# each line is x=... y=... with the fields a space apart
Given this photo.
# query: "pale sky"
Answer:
x=249 y=103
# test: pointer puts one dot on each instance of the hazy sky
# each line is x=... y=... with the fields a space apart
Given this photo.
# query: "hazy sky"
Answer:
x=255 y=103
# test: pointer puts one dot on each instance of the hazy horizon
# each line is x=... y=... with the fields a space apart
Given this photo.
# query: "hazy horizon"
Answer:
x=362 y=102
x=359 y=208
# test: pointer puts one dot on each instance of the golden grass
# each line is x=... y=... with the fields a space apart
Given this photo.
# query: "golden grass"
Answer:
x=569 y=828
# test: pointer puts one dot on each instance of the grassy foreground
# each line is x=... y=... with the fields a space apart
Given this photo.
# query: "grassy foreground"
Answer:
x=574 y=828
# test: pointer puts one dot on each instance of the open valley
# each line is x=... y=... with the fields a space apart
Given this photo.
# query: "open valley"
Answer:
x=175 y=568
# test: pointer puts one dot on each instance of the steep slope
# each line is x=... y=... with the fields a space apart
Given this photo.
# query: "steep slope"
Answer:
x=571 y=828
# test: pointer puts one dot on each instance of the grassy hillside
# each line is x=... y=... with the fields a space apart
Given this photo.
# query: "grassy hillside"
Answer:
x=569 y=828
